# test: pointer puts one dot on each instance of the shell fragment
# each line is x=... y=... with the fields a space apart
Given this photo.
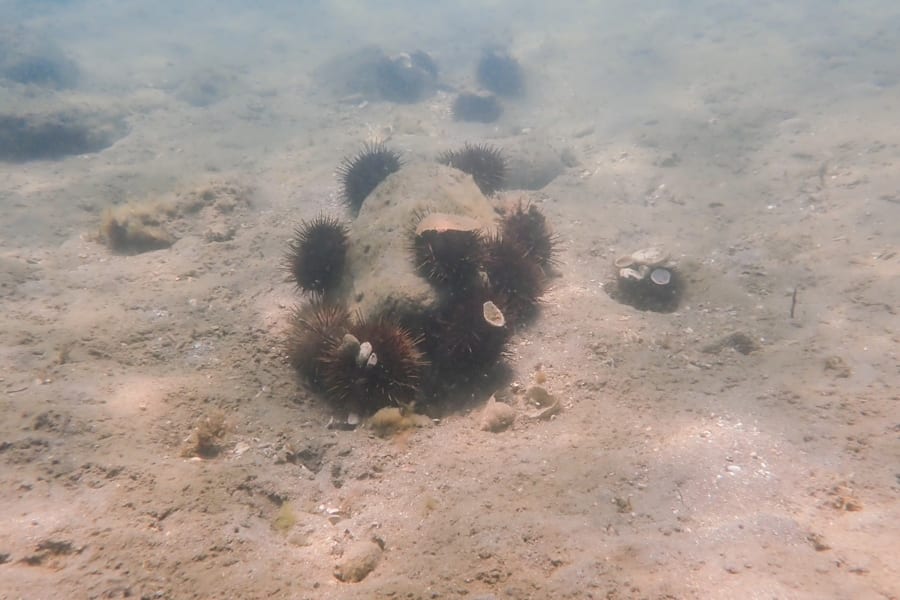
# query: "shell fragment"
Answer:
x=650 y=256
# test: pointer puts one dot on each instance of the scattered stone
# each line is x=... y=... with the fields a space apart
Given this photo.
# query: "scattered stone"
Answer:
x=497 y=416
x=220 y=233
x=818 y=542
x=838 y=365
x=623 y=505
x=360 y=560
x=843 y=499
x=285 y=519
x=49 y=549
x=546 y=403
x=391 y=419
x=738 y=341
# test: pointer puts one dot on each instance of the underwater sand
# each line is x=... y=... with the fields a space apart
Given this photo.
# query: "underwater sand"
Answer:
x=759 y=146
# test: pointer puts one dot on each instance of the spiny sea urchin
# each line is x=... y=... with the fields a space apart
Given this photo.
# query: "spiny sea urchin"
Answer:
x=516 y=279
x=378 y=363
x=362 y=173
x=500 y=73
x=485 y=163
x=469 y=333
x=478 y=108
x=406 y=78
x=315 y=327
x=526 y=225
x=448 y=249
x=317 y=254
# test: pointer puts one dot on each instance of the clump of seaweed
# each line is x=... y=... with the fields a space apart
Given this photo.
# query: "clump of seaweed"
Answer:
x=137 y=228
x=207 y=437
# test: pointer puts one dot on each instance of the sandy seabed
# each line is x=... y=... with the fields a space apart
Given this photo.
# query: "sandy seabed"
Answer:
x=764 y=157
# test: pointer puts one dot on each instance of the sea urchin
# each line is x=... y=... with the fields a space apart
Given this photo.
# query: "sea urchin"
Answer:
x=314 y=328
x=469 y=334
x=500 y=73
x=448 y=248
x=361 y=174
x=478 y=108
x=317 y=254
x=378 y=363
x=517 y=281
x=485 y=163
x=526 y=225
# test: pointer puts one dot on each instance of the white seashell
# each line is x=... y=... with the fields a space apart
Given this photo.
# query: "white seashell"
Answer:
x=365 y=351
x=493 y=315
x=624 y=261
x=650 y=256
x=661 y=276
x=630 y=273
x=373 y=360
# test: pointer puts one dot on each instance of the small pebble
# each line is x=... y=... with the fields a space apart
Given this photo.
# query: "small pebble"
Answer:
x=733 y=469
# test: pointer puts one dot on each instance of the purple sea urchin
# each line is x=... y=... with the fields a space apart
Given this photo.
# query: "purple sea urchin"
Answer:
x=317 y=254
x=526 y=225
x=478 y=108
x=500 y=73
x=378 y=363
x=362 y=173
x=314 y=328
x=485 y=163
x=448 y=249
x=516 y=279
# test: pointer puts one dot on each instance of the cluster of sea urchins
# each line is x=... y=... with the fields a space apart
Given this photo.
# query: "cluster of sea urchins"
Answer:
x=488 y=283
x=363 y=363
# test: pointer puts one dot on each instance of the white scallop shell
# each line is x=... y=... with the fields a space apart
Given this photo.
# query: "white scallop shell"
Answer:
x=624 y=261
x=661 y=276
x=493 y=315
x=629 y=273
x=650 y=256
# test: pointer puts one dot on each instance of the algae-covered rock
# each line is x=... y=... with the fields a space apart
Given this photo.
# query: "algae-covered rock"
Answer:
x=381 y=273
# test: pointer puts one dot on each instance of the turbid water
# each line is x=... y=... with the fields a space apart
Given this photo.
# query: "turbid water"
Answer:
x=743 y=443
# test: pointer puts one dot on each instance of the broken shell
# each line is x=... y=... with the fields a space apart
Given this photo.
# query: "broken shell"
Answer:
x=547 y=404
x=661 y=276
x=365 y=351
x=493 y=315
x=630 y=273
x=650 y=256
x=349 y=346
x=624 y=261
x=373 y=360
x=441 y=222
